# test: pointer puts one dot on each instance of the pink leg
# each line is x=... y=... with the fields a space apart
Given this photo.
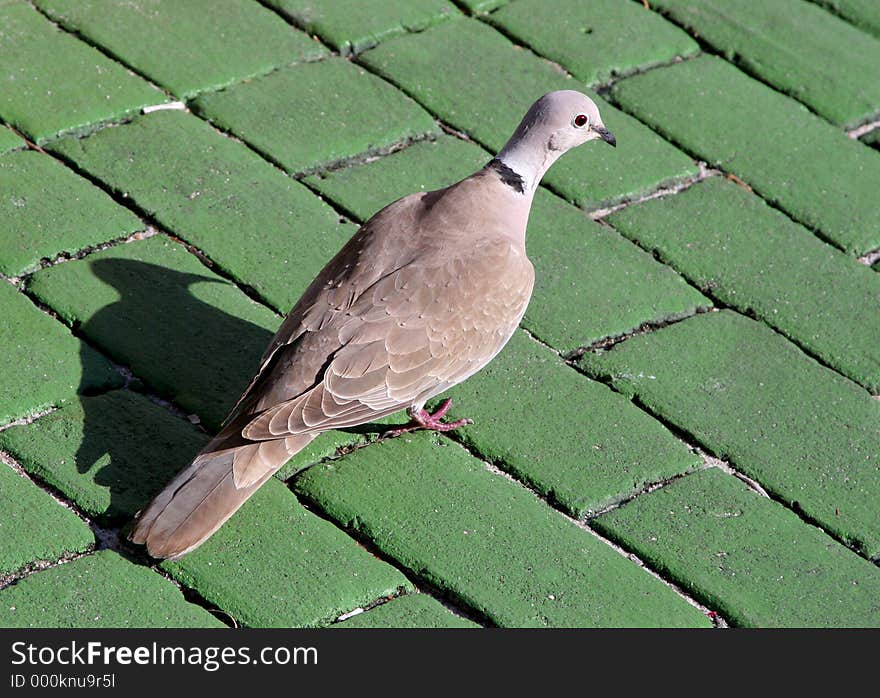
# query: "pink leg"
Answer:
x=422 y=419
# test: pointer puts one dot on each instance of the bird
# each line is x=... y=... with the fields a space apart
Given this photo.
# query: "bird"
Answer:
x=424 y=295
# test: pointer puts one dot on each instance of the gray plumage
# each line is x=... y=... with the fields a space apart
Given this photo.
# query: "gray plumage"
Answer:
x=423 y=296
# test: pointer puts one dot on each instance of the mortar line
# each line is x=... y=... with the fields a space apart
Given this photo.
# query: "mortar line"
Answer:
x=693 y=442
x=116 y=58
x=350 y=52
x=859 y=131
x=124 y=370
x=150 y=223
x=708 y=49
x=871 y=257
x=147 y=231
x=720 y=304
x=730 y=466
x=704 y=172
x=106 y=538
x=449 y=599
x=584 y=525
x=769 y=201
x=597 y=86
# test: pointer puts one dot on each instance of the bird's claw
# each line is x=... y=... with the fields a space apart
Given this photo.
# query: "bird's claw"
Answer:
x=422 y=419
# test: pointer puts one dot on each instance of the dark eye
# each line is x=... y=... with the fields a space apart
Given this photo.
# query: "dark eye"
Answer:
x=581 y=120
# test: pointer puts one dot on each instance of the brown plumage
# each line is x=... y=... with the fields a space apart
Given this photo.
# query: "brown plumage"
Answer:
x=425 y=294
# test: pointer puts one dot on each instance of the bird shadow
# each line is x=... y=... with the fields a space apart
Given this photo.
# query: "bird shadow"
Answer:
x=186 y=350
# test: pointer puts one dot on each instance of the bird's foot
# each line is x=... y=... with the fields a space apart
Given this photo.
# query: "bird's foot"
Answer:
x=422 y=419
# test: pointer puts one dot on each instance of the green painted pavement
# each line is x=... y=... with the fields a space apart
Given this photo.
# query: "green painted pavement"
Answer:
x=190 y=335
x=799 y=48
x=351 y=26
x=8 y=140
x=407 y=611
x=235 y=39
x=597 y=40
x=42 y=364
x=151 y=305
x=317 y=113
x=808 y=435
x=862 y=13
x=746 y=556
x=572 y=439
x=109 y=454
x=791 y=157
x=51 y=82
x=275 y=564
x=34 y=527
x=754 y=258
x=497 y=84
x=590 y=282
x=254 y=222
x=362 y=189
x=47 y=210
x=485 y=541
x=103 y=590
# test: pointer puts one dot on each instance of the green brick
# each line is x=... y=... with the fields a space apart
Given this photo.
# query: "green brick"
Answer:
x=192 y=336
x=263 y=228
x=498 y=84
x=623 y=288
x=275 y=564
x=317 y=113
x=103 y=590
x=41 y=363
x=597 y=40
x=151 y=305
x=351 y=26
x=755 y=259
x=791 y=157
x=35 y=527
x=865 y=14
x=797 y=47
x=746 y=556
x=487 y=542
x=408 y=611
x=570 y=438
x=590 y=283
x=51 y=82
x=236 y=39
x=362 y=189
x=46 y=210
x=808 y=435
x=9 y=140
x=109 y=454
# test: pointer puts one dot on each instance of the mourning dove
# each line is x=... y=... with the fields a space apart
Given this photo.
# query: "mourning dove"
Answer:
x=423 y=296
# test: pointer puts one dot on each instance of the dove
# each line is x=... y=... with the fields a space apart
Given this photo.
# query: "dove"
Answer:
x=425 y=294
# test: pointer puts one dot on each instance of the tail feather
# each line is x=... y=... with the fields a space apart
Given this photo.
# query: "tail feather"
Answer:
x=206 y=493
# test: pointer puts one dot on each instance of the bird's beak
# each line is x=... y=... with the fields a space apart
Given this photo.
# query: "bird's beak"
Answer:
x=606 y=135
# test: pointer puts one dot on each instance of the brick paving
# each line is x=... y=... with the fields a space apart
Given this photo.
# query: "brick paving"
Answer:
x=684 y=433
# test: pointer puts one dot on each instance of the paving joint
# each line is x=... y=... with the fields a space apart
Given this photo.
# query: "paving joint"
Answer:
x=458 y=606
x=584 y=525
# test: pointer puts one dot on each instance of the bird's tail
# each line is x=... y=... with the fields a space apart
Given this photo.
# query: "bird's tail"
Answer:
x=209 y=490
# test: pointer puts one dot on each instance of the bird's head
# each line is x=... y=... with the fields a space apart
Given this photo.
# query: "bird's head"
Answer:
x=556 y=123
x=562 y=120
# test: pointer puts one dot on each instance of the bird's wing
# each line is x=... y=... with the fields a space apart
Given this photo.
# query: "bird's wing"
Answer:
x=374 y=251
x=417 y=330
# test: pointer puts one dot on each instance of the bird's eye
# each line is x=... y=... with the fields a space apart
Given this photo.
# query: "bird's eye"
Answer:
x=581 y=120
